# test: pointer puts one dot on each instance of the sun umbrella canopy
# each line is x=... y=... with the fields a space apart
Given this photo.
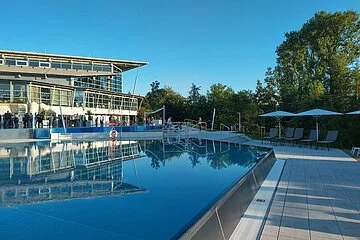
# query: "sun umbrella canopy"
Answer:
x=318 y=112
x=354 y=113
x=278 y=114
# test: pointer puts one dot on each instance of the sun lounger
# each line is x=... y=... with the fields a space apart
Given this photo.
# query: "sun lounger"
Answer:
x=355 y=151
x=272 y=134
x=289 y=134
x=299 y=132
x=330 y=138
x=311 y=139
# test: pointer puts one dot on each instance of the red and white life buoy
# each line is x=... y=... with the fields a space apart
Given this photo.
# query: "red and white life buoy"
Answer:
x=113 y=134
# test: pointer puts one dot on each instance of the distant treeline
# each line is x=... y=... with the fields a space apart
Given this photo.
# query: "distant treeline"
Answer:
x=317 y=66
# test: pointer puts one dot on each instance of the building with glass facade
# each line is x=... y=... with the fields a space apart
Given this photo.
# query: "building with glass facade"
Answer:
x=67 y=85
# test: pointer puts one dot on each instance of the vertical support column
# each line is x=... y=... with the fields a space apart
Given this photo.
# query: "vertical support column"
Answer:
x=84 y=98
x=109 y=82
x=11 y=92
x=73 y=98
x=72 y=81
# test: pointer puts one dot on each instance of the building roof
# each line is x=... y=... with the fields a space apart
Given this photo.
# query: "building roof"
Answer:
x=124 y=65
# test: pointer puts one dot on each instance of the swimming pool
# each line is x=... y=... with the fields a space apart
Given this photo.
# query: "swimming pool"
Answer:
x=126 y=190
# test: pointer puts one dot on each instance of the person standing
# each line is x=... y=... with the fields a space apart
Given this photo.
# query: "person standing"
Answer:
x=16 y=120
x=51 y=119
x=36 y=117
x=169 y=123
x=27 y=120
x=7 y=119
x=31 y=120
x=199 y=123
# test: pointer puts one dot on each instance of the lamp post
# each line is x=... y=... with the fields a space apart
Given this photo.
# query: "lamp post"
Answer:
x=239 y=121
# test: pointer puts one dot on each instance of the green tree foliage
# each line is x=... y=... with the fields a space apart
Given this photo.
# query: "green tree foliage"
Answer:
x=317 y=66
x=158 y=97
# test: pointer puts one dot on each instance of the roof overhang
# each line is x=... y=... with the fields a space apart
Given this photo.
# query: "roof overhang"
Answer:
x=124 y=65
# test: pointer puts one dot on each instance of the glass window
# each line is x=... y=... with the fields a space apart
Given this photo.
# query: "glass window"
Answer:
x=22 y=63
x=66 y=65
x=87 y=67
x=45 y=95
x=4 y=92
x=19 y=92
x=10 y=61
x=44 y=64
x=79 y=98
x=55 y=97
x=77 y=66
x=103 y=82
x=33 y=63
x=65 y=98
x=116 y=83
x=90 y=100
x=97 y=67
x=35 y=94
x=56 y=64
x=106 y=68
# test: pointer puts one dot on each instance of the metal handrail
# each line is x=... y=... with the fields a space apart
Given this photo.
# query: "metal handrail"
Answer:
x=223 y=125
x=228 y=130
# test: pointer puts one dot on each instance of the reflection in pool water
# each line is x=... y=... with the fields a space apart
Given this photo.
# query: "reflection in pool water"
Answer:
x=57 y=171
x=174 y=181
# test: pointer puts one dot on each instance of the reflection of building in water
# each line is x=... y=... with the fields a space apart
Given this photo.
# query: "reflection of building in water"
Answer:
x=64 y=171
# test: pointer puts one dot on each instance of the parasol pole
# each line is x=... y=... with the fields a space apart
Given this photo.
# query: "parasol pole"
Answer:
x=279 y=118
x=317 y=129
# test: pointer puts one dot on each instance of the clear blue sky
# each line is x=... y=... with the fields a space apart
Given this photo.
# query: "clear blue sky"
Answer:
x=204 y=42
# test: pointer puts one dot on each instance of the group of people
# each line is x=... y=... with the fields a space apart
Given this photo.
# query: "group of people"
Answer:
x=29 y=120
x=9 y=120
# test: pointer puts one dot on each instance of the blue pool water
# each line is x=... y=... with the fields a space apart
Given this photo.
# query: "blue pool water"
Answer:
x=100 y=190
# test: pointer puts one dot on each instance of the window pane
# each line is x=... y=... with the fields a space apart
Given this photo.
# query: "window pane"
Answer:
x=33 y=63
x=66 y=65
x=78 y=101
x=107 y=68
x=44 y=64
x=10 y=61
x=55 y=64
x=19 y=93
x=77 y=66
x=87 y=67
x=35 y=94
x=45 y=96
x=55 y=97
x=97 y=67
x=4 y=92
x=21 y=63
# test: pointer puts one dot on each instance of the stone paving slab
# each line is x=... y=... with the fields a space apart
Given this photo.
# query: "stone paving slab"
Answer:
x=318 y=196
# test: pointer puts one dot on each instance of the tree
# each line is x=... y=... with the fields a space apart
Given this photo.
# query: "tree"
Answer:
x=155 y=86
x=267 y=97
x=194 y=94
x=317 y=66
x=220 y=97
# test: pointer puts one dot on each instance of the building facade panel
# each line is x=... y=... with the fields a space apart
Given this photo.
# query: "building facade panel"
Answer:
x=34 y=82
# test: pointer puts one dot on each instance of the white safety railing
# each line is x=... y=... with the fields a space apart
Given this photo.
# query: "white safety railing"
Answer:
x=228 y=131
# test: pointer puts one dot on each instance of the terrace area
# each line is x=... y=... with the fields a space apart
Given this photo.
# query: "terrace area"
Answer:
x=318 y=196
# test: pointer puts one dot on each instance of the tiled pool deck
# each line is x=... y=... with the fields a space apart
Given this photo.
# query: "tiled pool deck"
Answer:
x=318 y=196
